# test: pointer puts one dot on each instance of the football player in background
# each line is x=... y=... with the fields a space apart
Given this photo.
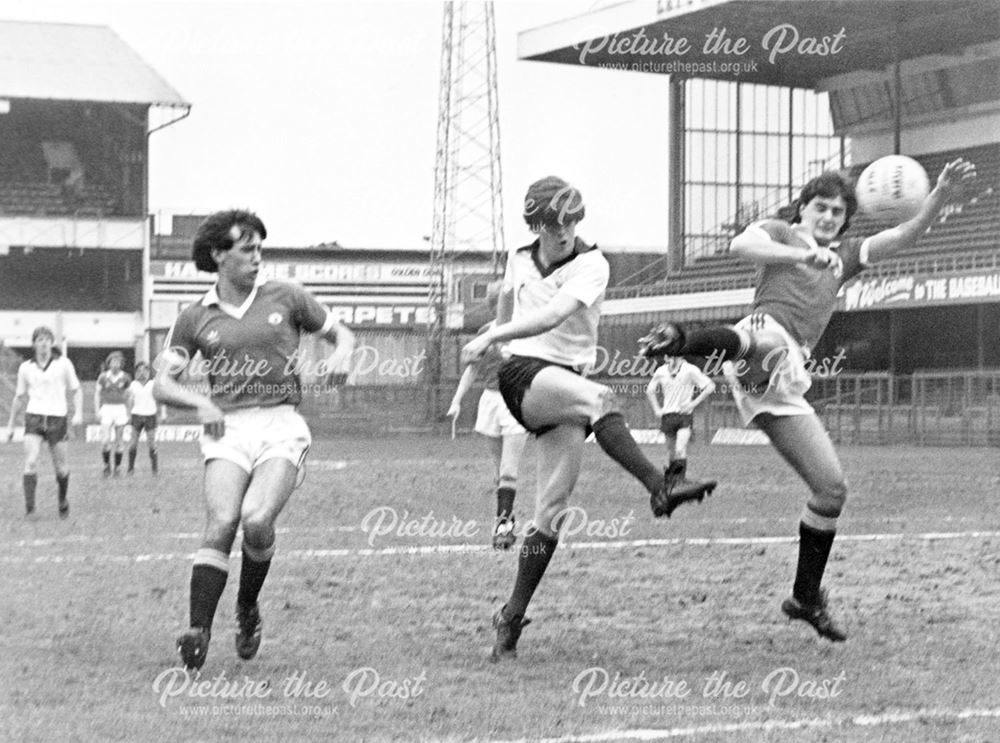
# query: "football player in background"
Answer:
x=254 y=442
x=506 y=437
x=42 y=384
x=675 y=391
x=803 y=265
x=109 y=403
x=145 y=414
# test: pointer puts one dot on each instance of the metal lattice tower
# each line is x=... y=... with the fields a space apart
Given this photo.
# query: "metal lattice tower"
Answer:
x=468 y=212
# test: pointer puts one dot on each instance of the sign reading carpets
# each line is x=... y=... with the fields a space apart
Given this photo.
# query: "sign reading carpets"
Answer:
x=908 y=290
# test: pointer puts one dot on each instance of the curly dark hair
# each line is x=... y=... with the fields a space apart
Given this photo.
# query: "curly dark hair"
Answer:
x=552 y=202
x=220 y=231
x=829 y=185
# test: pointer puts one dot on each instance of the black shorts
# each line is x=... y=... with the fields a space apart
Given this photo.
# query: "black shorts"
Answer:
x=515 y=377
x=140 y=422
x=52 y=428
x=671 y=423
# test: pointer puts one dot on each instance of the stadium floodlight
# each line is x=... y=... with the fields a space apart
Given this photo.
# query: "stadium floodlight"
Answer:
x=468 y=211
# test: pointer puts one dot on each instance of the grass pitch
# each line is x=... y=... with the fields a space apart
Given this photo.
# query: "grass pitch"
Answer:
x=377 y=608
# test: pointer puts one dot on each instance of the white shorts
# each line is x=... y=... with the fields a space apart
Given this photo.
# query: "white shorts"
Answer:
x=113 y=415
x=254 y=435
x=493 y=418
x=790 y=380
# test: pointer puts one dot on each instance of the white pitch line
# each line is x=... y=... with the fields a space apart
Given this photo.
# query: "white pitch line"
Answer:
x=450 y=549
x=861 y=721
x=349 y=529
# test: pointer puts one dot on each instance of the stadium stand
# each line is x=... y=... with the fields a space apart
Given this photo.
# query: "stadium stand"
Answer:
x=68 y=280
x=965 y=237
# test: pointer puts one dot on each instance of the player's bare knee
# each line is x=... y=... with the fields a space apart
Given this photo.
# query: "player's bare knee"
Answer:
x=507 y=480
x=258 y=529
x=221 y=528
x=830 y=500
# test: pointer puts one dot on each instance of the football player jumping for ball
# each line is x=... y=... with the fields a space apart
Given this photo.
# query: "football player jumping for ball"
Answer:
x=803 y=265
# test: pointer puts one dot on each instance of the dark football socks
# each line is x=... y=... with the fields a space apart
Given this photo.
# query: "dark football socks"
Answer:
x=118 y=459
x=154 y=461
x=615 y=439
x=106 y=456
x=680 y=467
x=536 y=551
x=732 y=344
x=252 y=574
x=30 y=483
x=814 y=551
x=63 y=482
x=208 y=579
x=131 y=459
x=505 y=502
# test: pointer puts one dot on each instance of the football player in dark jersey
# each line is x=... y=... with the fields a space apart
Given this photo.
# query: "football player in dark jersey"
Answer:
x=254 y=443
x=803 y=264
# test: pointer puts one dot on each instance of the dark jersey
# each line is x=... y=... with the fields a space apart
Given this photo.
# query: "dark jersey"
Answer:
x=249 y=356
x=800 y=297
x=113 y=387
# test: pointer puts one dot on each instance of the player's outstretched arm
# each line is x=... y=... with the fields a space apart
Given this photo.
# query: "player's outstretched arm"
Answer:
x=97 y=398
x=541 y=321
x=950 y=184
x=770 y=242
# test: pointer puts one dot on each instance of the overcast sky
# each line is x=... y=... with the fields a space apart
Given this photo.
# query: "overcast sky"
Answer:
x=322 y=116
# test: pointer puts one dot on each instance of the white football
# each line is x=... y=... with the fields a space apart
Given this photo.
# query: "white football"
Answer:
x=892 y=189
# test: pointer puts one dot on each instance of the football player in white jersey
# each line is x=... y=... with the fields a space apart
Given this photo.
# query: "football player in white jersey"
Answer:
x=145 y=415
x=255 y=442
x=674 y=391
x=803 y=265
x=548 y=311
x=42 y=384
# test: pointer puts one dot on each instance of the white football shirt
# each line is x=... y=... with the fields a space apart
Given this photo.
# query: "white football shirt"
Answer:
x=680 y=387
x=143 y=402
x=46 y=387
x=583 y=276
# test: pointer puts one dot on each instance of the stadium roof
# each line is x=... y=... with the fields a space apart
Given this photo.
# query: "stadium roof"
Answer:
x=69 y=62
x=786 y=42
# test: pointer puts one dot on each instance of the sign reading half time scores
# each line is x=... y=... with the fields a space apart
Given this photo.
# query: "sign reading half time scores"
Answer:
x=310 y=273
